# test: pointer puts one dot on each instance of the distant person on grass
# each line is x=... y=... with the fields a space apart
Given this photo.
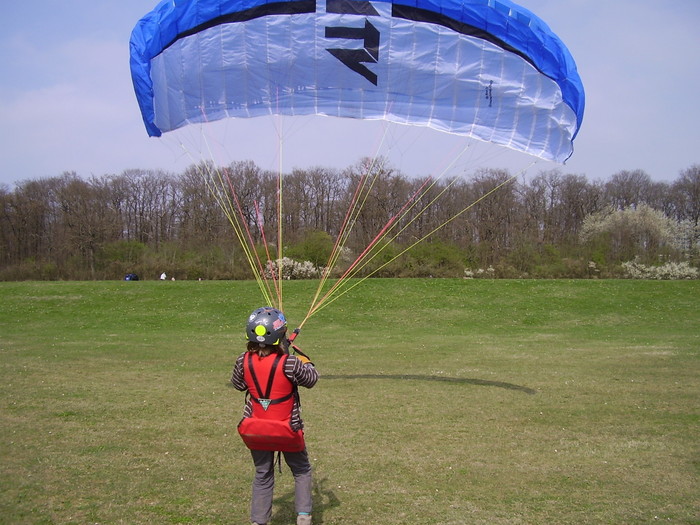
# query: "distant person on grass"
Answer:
x=272 y=415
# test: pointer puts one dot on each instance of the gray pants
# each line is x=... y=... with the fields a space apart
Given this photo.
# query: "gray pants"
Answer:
x=264 y=483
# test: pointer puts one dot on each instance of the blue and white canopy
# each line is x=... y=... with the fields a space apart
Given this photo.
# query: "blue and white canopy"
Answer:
x=488 y=69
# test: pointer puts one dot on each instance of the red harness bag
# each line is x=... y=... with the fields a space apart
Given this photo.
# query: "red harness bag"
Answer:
x=269 y=427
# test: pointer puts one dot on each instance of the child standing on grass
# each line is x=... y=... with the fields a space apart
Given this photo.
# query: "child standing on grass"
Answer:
x=272 y=414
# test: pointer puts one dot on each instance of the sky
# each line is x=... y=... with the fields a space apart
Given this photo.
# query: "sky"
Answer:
x=67 y=102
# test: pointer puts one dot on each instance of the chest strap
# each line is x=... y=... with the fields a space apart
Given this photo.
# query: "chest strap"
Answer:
x=265 y=401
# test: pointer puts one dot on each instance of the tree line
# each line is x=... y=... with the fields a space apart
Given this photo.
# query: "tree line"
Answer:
x=149 y=221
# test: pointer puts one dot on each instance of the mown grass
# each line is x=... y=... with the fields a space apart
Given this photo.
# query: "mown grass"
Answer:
x=441 y=402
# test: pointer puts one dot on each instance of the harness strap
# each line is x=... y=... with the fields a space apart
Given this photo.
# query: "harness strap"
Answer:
x=279 y=461
x=266 y=393
x=271 y=401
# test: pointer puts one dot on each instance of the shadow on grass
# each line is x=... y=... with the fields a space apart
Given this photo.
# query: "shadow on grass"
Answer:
x=415 y=377
x=323 y=497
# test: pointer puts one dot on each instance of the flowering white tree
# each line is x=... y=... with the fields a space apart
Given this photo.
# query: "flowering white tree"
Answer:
x=687 y=238
x=292 y=269
x=668 y=271
x=634 y=232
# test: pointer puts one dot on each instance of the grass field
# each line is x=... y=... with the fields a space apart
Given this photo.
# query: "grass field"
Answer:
x=441 y=402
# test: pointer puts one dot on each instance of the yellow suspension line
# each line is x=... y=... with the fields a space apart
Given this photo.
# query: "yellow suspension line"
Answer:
x=373 y=253
x=362 y=192
x=221 y=190
x=351 y=219
x=328 y=301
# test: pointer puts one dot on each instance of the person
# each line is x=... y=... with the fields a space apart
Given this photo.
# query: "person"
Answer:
x=272 y=396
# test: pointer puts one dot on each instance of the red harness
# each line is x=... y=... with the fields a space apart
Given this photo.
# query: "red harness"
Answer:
x=269 y=427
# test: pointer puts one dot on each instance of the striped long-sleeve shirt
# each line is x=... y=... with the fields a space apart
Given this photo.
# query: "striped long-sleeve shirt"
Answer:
x=298 y=373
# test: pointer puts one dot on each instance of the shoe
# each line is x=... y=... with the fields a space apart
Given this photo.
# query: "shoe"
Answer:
x=304 y=519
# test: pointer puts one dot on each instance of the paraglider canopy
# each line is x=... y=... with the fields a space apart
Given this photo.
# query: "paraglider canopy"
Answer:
x=488 y=69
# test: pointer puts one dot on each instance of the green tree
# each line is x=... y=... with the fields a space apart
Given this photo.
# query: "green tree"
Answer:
x=316 y=247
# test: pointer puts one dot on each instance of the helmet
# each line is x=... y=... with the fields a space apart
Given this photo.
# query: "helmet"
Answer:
x=266 y=325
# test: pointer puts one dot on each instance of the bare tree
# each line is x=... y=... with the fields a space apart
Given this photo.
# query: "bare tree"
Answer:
x=87 y=221
x=201 y=220
x=687 y=192
x=66 y=226
x=627 y=189
x=542 y=199
x=29 y=217
x=493 y=215
x=380 y=193
x=256 y=192
x=578 y=198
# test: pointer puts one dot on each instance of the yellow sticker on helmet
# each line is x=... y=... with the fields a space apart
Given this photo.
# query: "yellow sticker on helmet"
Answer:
x=260 y=330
